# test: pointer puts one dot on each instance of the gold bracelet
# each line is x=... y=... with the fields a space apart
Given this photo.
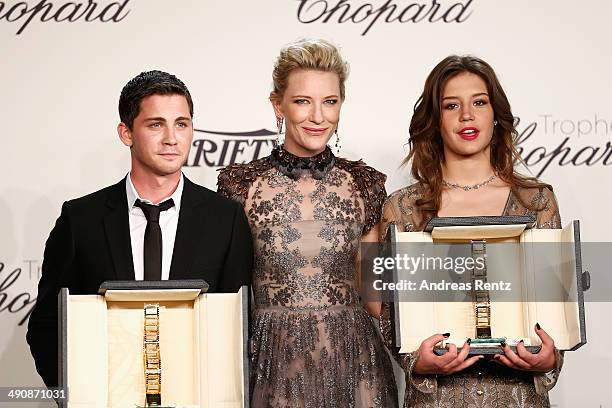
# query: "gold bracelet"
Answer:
x=480 y=298
x=152 y=360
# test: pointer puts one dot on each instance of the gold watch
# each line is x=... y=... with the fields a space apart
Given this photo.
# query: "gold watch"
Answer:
x=152 y=360
x=481 y=299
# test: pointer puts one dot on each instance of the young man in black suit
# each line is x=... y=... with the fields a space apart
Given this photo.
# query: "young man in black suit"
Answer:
x=154 y=224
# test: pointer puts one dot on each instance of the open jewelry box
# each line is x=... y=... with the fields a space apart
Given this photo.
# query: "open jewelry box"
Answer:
x=202 y=343
x=544 y=260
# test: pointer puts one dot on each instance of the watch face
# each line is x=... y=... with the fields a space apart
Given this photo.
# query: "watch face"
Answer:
x=483 y=332
x=153 y=400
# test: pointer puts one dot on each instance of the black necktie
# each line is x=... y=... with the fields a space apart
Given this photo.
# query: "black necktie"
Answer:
x=153 y=238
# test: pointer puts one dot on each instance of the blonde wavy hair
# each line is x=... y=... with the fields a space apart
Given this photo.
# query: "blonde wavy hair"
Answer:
x=309 y=54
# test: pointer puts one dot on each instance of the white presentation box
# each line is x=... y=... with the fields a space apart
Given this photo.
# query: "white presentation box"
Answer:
x=203 y=341
x=563 y=320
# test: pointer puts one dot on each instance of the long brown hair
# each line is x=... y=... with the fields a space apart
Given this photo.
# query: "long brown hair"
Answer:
x=426 y=148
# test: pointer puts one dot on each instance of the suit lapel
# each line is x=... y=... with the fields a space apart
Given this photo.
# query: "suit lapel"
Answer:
x=117 y=228
x=186 y=233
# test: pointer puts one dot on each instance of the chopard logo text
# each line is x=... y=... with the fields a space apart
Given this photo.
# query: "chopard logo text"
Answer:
x=565 y=142
x=389 y=11
x=11 y=301
x=23 y=13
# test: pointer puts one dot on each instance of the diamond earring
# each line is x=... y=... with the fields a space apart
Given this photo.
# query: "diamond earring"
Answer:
x=279 y=127
x=337 y=141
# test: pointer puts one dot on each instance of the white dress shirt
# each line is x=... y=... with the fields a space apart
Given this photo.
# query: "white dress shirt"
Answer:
x=168 y=222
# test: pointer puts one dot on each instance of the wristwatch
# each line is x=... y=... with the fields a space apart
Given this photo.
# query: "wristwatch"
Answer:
x=152 y=360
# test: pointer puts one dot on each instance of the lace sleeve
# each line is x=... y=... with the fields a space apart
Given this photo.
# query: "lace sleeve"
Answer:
x=389 y=217
x=548 y=217
x=545 y=382
x=371 y=184
x=374 y=195
x=235 y=180
x=228 y=183
x=396 y=211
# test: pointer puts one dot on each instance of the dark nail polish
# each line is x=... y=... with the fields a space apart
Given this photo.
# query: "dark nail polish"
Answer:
x=469 y=341
x=446 y=335
x=521 y=341
x=538 y=326
x=503 y=343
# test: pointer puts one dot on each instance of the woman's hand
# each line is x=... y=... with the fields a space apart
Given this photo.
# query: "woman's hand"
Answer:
x=543 y=361
x=451 y=362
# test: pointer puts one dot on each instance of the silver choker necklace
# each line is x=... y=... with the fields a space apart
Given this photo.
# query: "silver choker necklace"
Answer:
x=468 y=188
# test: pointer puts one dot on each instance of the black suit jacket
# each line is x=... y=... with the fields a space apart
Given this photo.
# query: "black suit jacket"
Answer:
x=91 y=243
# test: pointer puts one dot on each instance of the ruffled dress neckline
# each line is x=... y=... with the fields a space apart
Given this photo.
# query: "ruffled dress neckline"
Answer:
x=294 y=166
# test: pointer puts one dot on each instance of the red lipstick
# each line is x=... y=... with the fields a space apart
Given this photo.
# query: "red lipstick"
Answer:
x=469 y=133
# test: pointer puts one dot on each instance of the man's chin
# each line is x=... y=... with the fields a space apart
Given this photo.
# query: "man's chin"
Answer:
x=165 y=171
x=169 y=167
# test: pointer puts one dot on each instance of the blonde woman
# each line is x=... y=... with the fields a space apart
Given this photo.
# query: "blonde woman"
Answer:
x=314 y=344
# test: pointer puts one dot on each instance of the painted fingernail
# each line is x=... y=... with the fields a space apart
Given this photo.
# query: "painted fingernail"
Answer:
x=538 y=326
x=469 y=341
x=446 y=335
x=521 y=341
x=503 y=343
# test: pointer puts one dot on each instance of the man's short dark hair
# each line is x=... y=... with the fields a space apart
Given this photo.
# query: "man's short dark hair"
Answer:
x=146 y=84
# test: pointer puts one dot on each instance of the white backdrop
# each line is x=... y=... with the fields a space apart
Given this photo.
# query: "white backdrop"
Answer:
x=61 y=83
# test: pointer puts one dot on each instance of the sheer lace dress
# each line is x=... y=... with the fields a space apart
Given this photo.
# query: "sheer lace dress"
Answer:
x=314 y=345
x=485 y=384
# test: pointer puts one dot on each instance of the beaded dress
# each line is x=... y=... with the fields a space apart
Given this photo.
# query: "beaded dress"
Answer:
x=313 y=343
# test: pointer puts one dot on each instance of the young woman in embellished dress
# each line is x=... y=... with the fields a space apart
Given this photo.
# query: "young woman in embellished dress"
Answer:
x=462 y=157
x=314 y=344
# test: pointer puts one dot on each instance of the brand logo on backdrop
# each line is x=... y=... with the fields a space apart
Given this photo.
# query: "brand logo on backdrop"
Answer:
x=23 y=13
x=378 y=12
x=565 y=142
x=14 y=302
x=548 y=141
x=220 y=149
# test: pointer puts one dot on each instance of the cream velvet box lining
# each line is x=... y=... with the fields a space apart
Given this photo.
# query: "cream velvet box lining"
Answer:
x=203 y=344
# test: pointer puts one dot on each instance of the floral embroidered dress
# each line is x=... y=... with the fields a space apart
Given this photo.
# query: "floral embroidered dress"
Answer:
x=485 y=384
x=314 y=345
